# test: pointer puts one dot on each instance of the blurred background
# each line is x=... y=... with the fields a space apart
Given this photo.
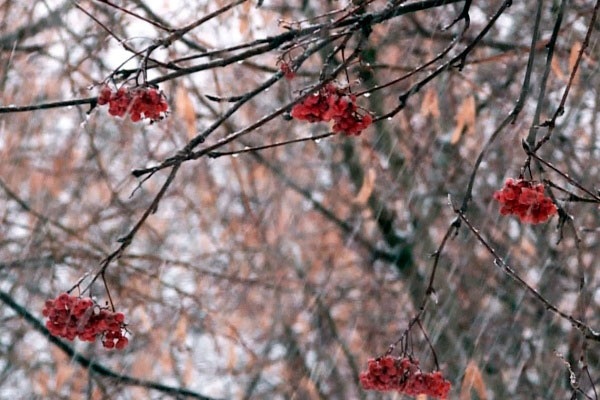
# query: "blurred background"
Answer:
x=276 y=274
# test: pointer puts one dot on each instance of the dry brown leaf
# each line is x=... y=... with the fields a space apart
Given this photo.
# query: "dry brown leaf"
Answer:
x=79 y=381
x=140 y=285
x=231 y=358
x=41 y=383
x=465 y=119
x=97 y=394
x=573 y=59
x=528 y=247
x=555 y=66
x=309 y=388
x=181 y=329
x=144 y=321
x=63 y=372
x=166 y=361
x=144 y=364
x=100 y=191
x=37 y=182
x=185 y=110
x=473 y=379
x=430 y=104
x=188 y=372
x=245 y=20
x=367 y=187
x=139 y=393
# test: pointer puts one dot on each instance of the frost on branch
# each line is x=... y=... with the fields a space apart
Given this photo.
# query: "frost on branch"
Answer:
x=526 y=200
x=139 y=103
x=333 y=104
x=402 y=374
x=71 y=316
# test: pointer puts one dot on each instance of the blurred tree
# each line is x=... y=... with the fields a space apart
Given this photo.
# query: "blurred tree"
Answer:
x=274 y=229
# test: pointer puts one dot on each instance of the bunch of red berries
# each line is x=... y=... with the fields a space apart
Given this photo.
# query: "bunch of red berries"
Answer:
x=333 y=103
x=526 y=200
x=139 y=103
x=403 y=375
x=71 y=316
x=287 y=70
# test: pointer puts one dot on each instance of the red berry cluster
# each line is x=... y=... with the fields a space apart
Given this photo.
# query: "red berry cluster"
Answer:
x=139 y=103
x=526 y=200
x=287 y=70
x=71 y=316
x=403 y=375
x=333 y=103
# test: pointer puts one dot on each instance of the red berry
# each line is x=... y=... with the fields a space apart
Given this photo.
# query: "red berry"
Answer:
x=138 y=103
x=70 y=317
x=526 y=200
x=404 y=376
x=287 y=71
x=105 y=94
x=333 y=103
x=121 y=343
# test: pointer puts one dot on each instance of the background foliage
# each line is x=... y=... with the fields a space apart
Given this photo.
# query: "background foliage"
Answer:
x=277 y=273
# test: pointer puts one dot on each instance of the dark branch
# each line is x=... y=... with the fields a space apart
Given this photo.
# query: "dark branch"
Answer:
x=93 y=365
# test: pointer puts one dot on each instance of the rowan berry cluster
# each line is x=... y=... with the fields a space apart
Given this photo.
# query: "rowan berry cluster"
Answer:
x=333 y=103
x=287 y=70
x=526 y=200
x=71 y=316
x=403 y=375
x=139 y=103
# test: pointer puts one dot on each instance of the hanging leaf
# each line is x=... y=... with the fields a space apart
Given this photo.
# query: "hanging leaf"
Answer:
x=555 y=66
x=367 y=187
x=231 y=358
x=465 y=119
x=573 y=59
x=40 y=382
x=185 y=110
x=180 y=333
x=472 y=380
x=430 y=104
x=245 y=19
x=64 y=371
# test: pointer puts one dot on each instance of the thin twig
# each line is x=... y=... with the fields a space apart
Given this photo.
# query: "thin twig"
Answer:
x=558 y=171
x=90 y=364
x=216 y=154
x=460 y=59
x=542 y=95
x=126 y=11
x=551 y=123
x=512 y=116
x=587 y=332
x=127 y=239
x=271 y=43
